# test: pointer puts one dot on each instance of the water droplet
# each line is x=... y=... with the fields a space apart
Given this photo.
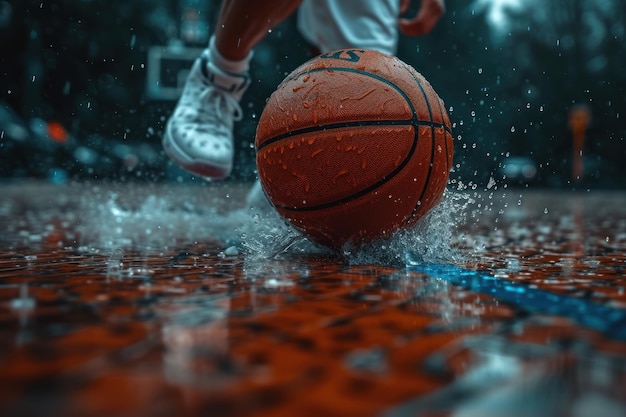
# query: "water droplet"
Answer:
x=231 y=251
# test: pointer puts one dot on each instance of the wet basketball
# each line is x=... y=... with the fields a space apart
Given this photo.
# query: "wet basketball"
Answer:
x=352 y=146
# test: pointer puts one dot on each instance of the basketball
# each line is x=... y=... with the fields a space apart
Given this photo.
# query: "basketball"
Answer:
x=352 y=146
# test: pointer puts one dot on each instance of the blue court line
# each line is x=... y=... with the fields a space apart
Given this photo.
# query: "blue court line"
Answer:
x=608 y=320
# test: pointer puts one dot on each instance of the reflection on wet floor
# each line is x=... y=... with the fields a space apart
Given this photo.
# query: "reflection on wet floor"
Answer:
x=146 y=301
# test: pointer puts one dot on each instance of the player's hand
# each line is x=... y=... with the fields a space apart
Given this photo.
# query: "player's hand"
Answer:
x=429 y=13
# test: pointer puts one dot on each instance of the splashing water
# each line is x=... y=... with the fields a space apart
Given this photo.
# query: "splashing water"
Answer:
x=267 y=236
x=161 y=221
x=155 y=220
x=433 y=239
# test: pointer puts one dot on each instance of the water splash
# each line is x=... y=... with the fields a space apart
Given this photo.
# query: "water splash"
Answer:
x=154 y=220
x=115 y=263
x=433 y=239
x=267 y=236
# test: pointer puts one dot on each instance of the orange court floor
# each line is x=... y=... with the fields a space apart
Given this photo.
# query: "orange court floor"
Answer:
x=154 y=300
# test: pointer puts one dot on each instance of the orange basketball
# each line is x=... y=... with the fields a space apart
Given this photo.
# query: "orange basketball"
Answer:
x=353 y=145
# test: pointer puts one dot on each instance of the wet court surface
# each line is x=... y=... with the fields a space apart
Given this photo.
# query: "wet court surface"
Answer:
x=126 y=301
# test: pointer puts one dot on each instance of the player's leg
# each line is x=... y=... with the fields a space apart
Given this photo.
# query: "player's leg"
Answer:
x=199 y=134
x=244 y=23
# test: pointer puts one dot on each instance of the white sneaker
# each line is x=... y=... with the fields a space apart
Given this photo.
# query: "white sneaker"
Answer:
x=199 y=134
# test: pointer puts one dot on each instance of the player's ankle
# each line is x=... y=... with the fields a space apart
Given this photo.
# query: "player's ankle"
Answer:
x=225 y=64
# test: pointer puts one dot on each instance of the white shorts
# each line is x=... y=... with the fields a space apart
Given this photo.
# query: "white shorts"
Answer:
x=338 y=24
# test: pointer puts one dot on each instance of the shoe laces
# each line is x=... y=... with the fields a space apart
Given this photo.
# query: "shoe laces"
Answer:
x=224 y=105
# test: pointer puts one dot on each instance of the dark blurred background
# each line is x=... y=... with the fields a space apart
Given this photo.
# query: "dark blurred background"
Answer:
x=87 y=85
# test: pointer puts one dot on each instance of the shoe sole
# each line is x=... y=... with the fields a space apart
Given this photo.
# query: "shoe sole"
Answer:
x=201 y=168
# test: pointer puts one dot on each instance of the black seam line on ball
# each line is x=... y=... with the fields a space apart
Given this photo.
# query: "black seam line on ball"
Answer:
x=364 y=191
x=340 y=125
x=445 y=137
x=432 y=151
x=414 y=121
